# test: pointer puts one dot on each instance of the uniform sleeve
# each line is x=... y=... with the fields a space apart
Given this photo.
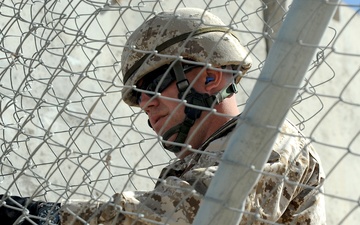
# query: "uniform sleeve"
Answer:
x=93 y=212
x=171 y=202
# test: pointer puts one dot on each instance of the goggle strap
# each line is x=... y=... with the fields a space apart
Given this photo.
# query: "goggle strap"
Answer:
x=182 y=85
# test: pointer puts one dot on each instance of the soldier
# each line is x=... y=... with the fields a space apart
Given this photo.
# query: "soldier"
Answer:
x=182 y=69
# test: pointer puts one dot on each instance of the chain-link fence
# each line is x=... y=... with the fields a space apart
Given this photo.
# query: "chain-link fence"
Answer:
x=67 y=134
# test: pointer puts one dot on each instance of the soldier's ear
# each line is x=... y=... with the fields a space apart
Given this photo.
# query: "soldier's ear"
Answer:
x=213 y=80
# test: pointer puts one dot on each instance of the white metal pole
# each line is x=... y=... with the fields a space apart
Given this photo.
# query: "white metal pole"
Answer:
x=273 y=95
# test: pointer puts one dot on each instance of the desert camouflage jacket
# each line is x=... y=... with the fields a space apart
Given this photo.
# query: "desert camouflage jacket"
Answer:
x=288 y=192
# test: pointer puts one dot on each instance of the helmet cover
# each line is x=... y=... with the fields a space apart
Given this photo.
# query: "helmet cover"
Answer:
x=189 y=33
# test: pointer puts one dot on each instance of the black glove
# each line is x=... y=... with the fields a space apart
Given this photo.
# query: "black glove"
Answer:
x=9 y=216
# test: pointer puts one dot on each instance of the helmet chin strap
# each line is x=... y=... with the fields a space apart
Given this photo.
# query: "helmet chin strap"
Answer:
x=191 y=113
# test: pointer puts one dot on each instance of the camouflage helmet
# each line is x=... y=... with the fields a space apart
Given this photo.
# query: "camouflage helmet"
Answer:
x=191 y=33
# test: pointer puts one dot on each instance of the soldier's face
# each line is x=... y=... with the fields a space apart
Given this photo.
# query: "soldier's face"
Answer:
x=166 y=111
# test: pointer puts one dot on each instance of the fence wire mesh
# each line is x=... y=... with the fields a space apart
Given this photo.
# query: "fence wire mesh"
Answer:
x=67 y=134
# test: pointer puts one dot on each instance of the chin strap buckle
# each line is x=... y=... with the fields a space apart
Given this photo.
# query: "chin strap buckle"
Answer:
x=181 y=130
x=182 y=85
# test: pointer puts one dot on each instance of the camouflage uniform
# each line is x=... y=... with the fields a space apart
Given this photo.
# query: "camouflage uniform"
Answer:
x=287 y=192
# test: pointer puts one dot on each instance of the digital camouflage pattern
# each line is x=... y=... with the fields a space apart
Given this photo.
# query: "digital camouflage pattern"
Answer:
x=193 y=34
x=287 y=192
